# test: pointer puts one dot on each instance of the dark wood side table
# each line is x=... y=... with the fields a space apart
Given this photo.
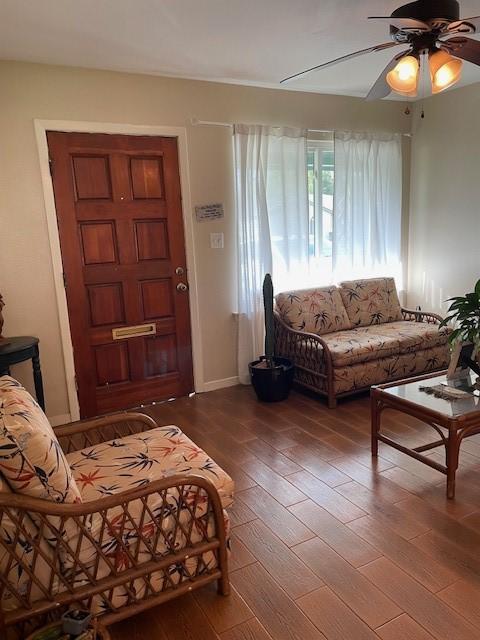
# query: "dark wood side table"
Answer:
x=453 y=420
x=19 y=349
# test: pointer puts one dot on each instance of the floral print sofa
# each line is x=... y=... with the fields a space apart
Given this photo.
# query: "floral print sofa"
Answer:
x=115 y=513
x=344 y=339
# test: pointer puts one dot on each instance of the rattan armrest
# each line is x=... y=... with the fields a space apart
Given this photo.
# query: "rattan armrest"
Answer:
x=421 y=316
x=47 y=508
x=85 y=433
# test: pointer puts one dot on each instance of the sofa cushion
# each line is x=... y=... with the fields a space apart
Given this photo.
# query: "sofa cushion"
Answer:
x=319 y=311
x=365 y=344
x=364 y=374
x=31 y=459
x=372 y=301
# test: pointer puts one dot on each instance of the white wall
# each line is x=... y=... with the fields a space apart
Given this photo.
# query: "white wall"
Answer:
x=444 y=238
x=59 y=93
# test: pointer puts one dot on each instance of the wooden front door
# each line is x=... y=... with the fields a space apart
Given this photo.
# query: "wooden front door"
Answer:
x=119 y=213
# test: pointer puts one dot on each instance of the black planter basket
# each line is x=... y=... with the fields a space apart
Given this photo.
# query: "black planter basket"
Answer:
x=272 y=384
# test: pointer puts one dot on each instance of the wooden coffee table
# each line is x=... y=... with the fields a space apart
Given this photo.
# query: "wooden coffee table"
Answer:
x=453 y=420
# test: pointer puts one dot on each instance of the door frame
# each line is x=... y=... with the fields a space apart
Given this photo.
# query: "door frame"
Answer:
x=180 y=133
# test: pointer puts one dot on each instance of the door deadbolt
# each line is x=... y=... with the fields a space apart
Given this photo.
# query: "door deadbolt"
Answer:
x=179 y=271
x=181 y=286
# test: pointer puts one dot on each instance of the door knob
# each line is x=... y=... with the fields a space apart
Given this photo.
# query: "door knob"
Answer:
x=181 y=286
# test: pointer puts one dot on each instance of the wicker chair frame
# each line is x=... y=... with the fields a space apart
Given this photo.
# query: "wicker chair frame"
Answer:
x=312 y=357
x=190 y=488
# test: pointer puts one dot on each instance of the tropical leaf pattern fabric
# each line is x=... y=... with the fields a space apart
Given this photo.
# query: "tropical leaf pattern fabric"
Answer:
x=31 y=459
x=372 y=301
x=319 y=311
x=364 y=374
x=365 y=344
x=23 y=540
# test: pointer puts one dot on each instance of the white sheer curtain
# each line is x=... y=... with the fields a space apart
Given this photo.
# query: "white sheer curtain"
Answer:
x=367 y=206
x=272 y=224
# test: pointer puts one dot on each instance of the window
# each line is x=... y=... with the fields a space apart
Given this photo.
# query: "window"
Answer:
x=320 y=176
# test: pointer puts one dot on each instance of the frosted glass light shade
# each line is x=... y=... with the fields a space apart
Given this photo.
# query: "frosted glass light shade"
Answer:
x=445 y=70
x=403 y=78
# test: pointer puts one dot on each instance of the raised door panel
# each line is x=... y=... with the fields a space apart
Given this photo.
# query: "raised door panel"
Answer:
x=112 y=364
x=160 y=355
x=157 y=299
x=151 y=237
x=92 y=178
x=147 y=178
x=106 y=304
x=99 y=242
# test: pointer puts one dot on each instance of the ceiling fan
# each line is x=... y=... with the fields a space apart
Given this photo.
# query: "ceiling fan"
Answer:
x=430 y=28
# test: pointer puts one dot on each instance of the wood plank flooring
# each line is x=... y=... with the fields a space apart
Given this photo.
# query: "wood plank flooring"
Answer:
x=326 y=543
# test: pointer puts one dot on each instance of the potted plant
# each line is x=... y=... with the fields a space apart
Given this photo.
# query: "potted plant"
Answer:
x=464 y=311
x=271 y=376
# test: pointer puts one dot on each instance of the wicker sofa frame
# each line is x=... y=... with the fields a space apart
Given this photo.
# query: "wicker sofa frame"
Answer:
x=313 y=360
x=18 y=508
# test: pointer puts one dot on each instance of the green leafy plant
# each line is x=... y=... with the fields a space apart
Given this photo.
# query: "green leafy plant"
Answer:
x=464 y=311
x=269 y=328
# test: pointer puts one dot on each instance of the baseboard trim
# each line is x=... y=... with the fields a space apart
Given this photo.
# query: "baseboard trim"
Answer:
x=61 y=419
x=213 y=385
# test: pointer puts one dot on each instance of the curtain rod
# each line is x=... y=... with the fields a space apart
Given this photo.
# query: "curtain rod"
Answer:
x=208 y=123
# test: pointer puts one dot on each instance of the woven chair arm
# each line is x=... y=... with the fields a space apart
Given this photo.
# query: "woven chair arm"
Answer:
x=47 y=508
x=85 y=433
x=301 y=346
x=421 y=316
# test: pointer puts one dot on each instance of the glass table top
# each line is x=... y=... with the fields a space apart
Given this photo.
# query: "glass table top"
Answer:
x=467 y=402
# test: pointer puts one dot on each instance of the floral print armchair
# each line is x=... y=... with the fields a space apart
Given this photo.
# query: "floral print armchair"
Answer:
x=115 y=513
x=344 y=339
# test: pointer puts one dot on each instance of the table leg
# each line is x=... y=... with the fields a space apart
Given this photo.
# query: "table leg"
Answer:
x=452 y=453
x=37 y=379
x=375 y=424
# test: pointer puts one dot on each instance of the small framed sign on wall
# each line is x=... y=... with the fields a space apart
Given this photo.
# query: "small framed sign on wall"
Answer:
x=206 y=212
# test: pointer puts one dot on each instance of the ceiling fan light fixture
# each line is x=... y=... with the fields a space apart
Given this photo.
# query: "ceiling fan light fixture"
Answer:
x=445 y=70
x=403 y=79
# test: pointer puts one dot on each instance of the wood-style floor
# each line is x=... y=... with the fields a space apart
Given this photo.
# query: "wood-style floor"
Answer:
x=327 y=544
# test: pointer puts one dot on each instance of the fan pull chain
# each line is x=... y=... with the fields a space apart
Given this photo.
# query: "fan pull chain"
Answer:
x=422 y=88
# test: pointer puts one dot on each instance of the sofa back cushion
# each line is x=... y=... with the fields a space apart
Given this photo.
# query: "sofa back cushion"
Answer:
x=31 y=459
x=372 y=301
x=317 y=311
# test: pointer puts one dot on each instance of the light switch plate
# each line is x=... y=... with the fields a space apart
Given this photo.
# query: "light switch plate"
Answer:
x=216 y=240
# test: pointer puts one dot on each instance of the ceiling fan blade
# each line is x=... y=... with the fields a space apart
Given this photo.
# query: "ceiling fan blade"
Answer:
x=403 y=23
x=464 y=48
x=324 y=65
x=457 y=25
x=381 y=88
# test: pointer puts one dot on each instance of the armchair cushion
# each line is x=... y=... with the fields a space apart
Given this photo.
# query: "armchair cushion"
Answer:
x=365 y=344
x=31 y=459
x=137 y=460
x=319 y=311
x=372 y=301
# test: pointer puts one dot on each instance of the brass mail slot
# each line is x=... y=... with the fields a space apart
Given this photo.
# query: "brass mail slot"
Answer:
x=134 y=332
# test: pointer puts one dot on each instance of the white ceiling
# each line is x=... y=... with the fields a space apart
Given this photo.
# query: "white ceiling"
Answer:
x=242 y=41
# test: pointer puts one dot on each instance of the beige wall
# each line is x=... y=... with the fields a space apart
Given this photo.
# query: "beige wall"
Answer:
x=444 y=248
x=59 y=93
